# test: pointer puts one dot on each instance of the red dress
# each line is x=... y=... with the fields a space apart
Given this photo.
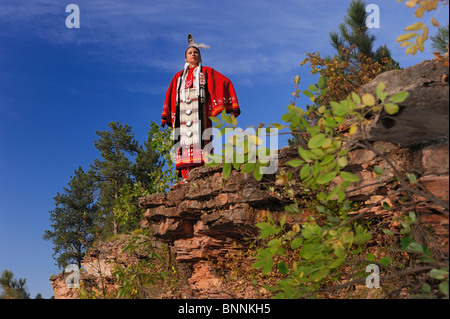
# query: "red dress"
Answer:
x=216 y=94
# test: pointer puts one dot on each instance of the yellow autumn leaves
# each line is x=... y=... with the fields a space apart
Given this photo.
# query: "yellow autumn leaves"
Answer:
x=418 y=30
x=420 y=38
x=424 y=5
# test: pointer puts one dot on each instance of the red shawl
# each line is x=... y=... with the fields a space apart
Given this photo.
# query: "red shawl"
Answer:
x=220 y=95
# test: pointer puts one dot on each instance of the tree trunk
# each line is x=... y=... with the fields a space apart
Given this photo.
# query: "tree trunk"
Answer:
x=116 y=196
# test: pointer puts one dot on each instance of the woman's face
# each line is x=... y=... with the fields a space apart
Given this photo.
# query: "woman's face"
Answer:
x=193 y=56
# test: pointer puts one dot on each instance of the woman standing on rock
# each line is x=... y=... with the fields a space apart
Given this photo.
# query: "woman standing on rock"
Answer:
x=195 y=94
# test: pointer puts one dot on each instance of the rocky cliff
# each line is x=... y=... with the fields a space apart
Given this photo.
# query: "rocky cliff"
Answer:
x=207 y=220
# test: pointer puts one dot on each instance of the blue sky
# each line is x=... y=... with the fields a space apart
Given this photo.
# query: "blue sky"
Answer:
x=58 y=85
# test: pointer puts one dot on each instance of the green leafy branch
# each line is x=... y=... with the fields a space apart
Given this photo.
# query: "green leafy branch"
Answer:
x=135 y=278
x=421 y=254
x=323 y=249
x=242 y=150
x=126 y=209
x=162 y=142
x=324 y=159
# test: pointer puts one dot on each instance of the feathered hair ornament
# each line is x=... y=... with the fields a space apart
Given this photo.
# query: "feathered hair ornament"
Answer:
x=197 y=45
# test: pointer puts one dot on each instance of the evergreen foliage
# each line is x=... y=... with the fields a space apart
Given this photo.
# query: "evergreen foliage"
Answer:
x=103 y=201
x=12 y=288
x=115 y=169
x=74 y=220
x=441 y=39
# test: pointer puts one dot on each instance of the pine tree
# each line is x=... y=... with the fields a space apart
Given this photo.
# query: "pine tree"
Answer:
x=12 y=288
x=355 y=37
x=117 y=147
x=440 y=40
x=74 y=219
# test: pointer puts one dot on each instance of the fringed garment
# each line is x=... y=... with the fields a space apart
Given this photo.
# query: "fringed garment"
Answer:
x=193 y=96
